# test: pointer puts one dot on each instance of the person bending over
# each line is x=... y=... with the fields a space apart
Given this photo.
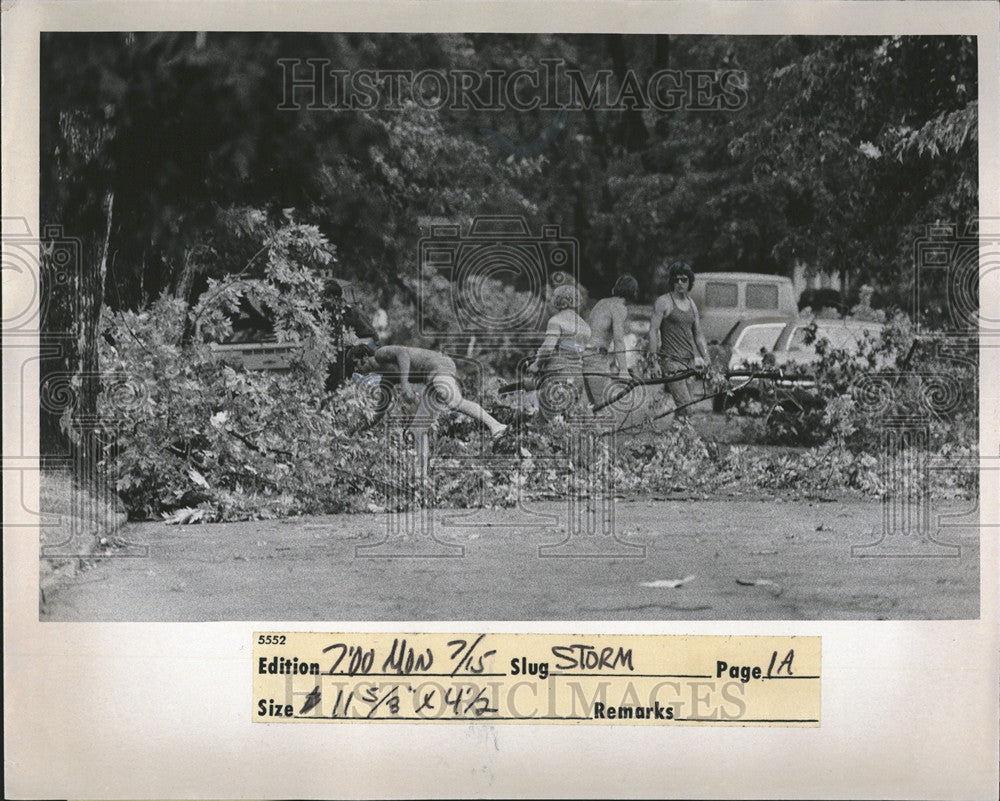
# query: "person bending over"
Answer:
x=405 y=366
x=675 y=337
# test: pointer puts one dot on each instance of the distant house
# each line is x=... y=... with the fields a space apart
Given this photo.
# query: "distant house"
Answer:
x=805 y=276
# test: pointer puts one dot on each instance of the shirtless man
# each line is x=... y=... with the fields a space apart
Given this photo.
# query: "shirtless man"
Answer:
x=606 y=348
x=400 y=364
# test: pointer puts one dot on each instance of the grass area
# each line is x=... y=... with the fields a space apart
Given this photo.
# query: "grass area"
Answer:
x=76 y=523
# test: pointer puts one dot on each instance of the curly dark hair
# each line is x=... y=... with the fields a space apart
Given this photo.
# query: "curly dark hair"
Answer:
x=675 y=271
x=626 y=287
x=355 y=355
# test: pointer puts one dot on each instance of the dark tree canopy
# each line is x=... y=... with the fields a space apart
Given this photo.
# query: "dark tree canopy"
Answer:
x=845 y=149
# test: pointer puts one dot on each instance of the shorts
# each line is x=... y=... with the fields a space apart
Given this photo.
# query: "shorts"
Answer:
x=680 y=391
x=441 y=393
x=559 y=384
x=597 y=376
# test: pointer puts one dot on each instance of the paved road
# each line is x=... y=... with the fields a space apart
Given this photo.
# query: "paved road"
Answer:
x=742 y=560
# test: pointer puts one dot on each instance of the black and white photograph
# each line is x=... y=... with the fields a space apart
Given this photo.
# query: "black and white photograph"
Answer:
x=602 y=318
x=384 y=326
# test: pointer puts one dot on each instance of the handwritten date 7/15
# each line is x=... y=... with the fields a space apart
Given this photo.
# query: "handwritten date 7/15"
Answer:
x=403 y=659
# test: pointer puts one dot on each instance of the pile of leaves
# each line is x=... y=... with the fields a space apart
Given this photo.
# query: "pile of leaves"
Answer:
x=274 y=452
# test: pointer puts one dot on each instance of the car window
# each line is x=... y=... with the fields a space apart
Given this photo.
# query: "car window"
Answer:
x=762 y=296
x=838 y=337
x=720 y=296
x=755 y=337
x=798 y=339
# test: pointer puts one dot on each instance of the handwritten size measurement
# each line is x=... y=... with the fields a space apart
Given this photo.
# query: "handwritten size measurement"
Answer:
x=367 y=701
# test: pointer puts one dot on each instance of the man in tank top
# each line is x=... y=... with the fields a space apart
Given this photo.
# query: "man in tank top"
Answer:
x=675 y=337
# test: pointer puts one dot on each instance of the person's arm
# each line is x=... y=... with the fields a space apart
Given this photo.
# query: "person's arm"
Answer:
x=659 y=311
x=403 y=365
x=396 y=359
x=552 y=333
x=699 y=339
x=618 y=318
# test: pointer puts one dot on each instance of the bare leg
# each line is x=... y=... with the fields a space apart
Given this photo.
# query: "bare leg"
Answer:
x=600 y=388
x=423 y=418
x=422 y=441
x=680 y=391
x=448 y=395
x=477 y=412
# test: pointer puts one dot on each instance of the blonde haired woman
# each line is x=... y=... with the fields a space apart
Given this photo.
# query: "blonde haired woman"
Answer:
x=559 y=361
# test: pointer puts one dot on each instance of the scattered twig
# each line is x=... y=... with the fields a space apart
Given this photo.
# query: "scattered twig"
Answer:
x=773 y=587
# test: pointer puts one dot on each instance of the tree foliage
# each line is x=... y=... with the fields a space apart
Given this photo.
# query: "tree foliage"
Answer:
x=846 y=148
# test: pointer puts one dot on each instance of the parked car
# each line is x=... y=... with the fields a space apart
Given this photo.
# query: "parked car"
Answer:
x=793 y=347
x=745 y=346
x=639 y=315
x=254 y=346
x=792 y=344
x=748 y=340
x=796 y=347
x=271 y=355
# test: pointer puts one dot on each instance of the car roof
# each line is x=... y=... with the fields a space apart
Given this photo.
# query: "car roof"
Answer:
x=838 y=322
x=828 y=324
x=783 y=319
x=705 y=276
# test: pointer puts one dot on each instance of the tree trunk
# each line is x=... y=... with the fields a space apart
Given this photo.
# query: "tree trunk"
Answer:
x=182 y=291
x=661 y=61
x=91 y=307
x=633 y=130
